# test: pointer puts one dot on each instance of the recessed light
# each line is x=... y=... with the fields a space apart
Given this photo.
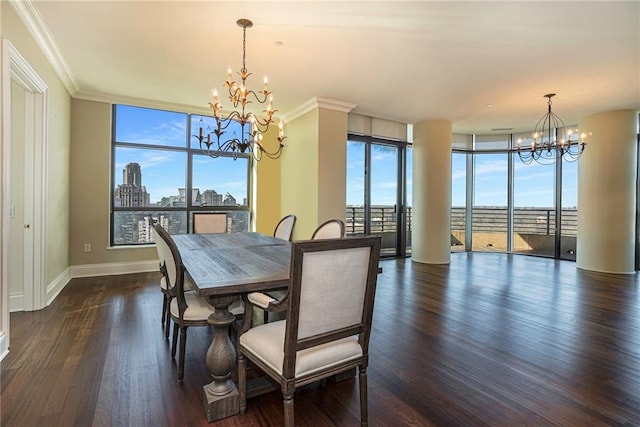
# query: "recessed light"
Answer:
x=489 y=105
x=279 y=43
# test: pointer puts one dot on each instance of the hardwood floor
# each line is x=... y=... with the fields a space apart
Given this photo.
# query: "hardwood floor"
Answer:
x=490 y=339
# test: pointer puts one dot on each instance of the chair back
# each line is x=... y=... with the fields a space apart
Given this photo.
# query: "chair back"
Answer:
x=335 y=277
x=331 y=229
x=209 y=222
x=172 y=264
x=284 y=229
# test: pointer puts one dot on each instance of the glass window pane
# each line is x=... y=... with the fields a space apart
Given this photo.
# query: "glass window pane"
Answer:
x=132 y=228
x=153 y=177
x=208 y=125
x=534 y=208
x=489 y=219
x=384 y=195
x=355 y=187
x=458 y=201
x=220 y=181
x=150 y=127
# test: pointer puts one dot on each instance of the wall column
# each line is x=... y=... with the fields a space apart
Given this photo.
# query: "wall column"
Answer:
x=607 y=193
x=431 y=225
x=313 y=164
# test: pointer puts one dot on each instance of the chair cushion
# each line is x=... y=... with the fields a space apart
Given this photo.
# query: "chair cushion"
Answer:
x=198 y=308
x=267 y=343
x=188 y=284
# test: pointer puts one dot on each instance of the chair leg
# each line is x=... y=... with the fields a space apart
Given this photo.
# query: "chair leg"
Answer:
x=183 y=345
x=167 y=318
x=363 y=397
x=174 y=342
x=242 y=382
x=288 y=410
x=164 y=308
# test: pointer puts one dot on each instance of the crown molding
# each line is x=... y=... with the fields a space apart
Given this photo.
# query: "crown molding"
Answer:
x=110 y=98
x=319 y=102
x=27 y=12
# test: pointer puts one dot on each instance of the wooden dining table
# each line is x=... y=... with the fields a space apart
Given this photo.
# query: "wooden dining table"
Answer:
x=223 y=267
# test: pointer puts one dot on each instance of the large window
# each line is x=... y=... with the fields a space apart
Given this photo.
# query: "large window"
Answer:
x=528 y=209
x=159 y=174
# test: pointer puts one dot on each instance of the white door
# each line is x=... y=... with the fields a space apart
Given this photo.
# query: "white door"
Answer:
x=20 y=267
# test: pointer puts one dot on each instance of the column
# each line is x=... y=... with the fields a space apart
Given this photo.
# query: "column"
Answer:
x=431 y=228
x=607 y=193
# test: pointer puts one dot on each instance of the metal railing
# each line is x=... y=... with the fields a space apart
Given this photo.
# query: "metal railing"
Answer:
x=540 y=221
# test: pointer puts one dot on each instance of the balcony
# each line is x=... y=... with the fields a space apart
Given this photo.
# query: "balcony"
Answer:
x=533 y=228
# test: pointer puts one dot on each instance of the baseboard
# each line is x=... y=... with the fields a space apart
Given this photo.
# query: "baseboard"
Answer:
x=89 y=270
x=4 y=348
x=57 y=285
x=16 y=302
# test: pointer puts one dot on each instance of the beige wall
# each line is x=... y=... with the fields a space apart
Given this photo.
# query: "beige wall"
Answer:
x=314 y=169
x=91 y=188
x=58 y=148
x=299 y=185
x=332 y=165
x=267 y=188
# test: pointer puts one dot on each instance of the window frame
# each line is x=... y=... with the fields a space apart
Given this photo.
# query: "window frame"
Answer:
x=189 y=152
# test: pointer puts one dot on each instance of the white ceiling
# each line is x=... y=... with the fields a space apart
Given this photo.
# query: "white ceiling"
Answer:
x=406 y=61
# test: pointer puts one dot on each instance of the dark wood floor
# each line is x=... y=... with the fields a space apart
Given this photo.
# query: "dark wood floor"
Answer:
x=489 y=340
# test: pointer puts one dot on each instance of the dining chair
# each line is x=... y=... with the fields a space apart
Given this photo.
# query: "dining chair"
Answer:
x=331 y=229
x=164 y=288
x=335 y=277
x=209 y=222
x=186 y=308
x=284 y=229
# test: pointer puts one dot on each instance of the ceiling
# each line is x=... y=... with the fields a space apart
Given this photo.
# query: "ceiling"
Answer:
x=483 y=65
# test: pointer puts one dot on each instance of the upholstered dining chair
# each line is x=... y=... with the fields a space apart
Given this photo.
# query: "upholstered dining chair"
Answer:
x=186 y=308
x=336 y=277
x=331 y=229
x=284 y=229
x=164 y=287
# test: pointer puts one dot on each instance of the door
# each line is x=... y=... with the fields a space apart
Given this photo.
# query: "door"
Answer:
x=376 y=192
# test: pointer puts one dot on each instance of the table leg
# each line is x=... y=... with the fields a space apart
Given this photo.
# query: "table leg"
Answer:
x=221 y=398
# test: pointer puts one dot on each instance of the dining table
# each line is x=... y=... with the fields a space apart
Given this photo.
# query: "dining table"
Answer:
x=224 y=267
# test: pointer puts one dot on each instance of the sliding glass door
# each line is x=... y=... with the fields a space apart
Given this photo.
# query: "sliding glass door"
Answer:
x=376 y=192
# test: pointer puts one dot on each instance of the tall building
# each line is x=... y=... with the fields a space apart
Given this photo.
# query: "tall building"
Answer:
x=229 y=200
x=131 y=193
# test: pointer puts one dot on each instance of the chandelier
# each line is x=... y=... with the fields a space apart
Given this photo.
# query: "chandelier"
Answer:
x=545 y=147
x=241 y=130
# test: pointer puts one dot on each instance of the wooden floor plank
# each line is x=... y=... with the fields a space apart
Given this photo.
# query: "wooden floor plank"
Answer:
x=490 y=339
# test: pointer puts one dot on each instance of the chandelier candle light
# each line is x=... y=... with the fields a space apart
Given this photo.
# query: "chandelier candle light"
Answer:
x=252 y=126
x=545 y=148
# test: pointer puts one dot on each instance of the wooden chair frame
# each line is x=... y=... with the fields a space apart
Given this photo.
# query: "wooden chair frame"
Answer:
x=287 y=380
x=329 y=222
x=284 y=219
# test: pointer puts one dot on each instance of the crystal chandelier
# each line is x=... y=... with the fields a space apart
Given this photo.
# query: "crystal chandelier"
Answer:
x=545 y=147
x=225 y=135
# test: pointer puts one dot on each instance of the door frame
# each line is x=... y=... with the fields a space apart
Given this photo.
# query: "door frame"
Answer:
x=15 y=68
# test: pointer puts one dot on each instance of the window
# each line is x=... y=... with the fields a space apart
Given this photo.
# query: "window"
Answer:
x=159 y=174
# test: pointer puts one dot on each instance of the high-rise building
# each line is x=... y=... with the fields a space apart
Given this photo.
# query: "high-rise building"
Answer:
x=131 y=193
x=229 y=200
